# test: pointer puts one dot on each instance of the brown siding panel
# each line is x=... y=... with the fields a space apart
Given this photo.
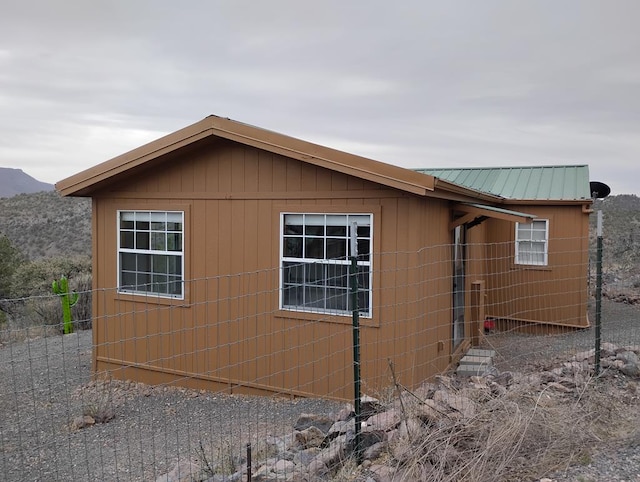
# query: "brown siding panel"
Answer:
x=229 y=334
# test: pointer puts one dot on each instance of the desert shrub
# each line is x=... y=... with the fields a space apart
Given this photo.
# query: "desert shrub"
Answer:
x=10 y=259
x=82 y=310
x=34 y=304
x=34 y=278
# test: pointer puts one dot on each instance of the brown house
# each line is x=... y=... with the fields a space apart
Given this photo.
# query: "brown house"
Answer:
x=221 y=258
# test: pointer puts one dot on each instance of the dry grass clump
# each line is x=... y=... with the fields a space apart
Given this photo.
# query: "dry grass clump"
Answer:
x=527 y=432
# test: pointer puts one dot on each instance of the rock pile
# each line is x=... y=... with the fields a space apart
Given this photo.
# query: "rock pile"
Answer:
x=427 y=434
x=627 y=296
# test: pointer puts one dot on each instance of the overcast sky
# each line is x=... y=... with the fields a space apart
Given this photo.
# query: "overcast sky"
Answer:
x=412 y=83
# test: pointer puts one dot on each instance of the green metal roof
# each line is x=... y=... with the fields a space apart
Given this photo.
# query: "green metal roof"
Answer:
x=557 y=183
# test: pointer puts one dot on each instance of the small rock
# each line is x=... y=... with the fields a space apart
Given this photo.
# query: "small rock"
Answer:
x=305 y=457
x=283 y=466
x=411 y=428
x=334 y=453
x=628 y=357
x=559 y=387
x=307 y=420
x=280 y=444
x=547 y=377
x=585 y=355
x=345 y=414
x=369 y=406
x=82 y=422
x=631 y=370
x=342 y=427
x=310 y=437
x=402 y=450
x=374 y=452
x=381 y=473
x=317 y=468
x=463 y=405
x=568 y=383
x=497 y=389
x=425 y=391
x=608 y=349
x=429 y=411
x=504 y=379
x=371 y=437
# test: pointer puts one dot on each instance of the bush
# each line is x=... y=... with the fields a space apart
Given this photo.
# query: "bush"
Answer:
x=34 y=303
x=34 y=278
x=10 y=259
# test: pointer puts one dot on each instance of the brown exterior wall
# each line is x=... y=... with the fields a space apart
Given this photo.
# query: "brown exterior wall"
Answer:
x=553 y=294
x=228 y=333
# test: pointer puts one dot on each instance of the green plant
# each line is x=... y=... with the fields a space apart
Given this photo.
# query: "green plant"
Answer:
x=100 y=405
x=67 y=299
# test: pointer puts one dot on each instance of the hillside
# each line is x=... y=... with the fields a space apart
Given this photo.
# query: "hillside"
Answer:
x=621 y=247
x=621 y=232
x=16 y=181
x=45 y=224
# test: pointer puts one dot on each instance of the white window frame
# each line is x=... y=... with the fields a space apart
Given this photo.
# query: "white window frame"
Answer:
x=535 y=233
x=162 y=237
x=336 y=265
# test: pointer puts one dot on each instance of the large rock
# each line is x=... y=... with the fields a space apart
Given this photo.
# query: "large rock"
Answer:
x=384 y=421
x=463 y=405
x=411 y=429
x=631 y=370
x=429 y=411
x=628 y=357
x=308 y=438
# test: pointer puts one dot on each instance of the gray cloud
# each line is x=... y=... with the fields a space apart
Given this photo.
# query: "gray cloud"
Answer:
x=422 y=83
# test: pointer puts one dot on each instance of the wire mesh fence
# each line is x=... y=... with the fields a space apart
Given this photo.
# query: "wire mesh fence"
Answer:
x=147 y=381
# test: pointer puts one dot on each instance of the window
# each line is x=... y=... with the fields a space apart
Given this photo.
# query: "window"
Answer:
x=315 y=262
x=531 y=242
x=151 y=253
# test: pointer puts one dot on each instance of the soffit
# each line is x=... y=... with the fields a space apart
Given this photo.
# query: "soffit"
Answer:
x=472 y=212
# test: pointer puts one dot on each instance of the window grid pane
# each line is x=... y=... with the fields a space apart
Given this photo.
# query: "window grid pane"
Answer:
x=315 y=262
x=151 y=252
x=531 y=243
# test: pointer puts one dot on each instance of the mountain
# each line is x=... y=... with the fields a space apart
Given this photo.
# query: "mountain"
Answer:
x=16 y=181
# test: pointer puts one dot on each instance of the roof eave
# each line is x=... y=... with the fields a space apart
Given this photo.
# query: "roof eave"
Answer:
x=549 y=202
x=462 y=193
x=88 y=181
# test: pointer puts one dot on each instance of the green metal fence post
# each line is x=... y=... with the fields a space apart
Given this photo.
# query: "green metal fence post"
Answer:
x=598 y=292
x=353 y=283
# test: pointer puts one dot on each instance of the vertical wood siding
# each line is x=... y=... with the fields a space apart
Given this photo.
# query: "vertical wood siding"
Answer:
x=228 y=332
x=556 y=293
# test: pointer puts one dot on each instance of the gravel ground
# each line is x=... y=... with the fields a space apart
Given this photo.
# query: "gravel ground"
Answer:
x=45 y=384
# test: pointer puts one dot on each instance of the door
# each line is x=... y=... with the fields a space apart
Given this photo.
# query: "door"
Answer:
x=459 y=235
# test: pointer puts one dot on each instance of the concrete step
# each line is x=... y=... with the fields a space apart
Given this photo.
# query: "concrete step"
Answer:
x=475 y=362
x=481 y=352
x=470 y=370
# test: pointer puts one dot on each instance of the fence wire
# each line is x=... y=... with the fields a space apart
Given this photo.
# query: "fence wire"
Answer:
x=147 y=382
